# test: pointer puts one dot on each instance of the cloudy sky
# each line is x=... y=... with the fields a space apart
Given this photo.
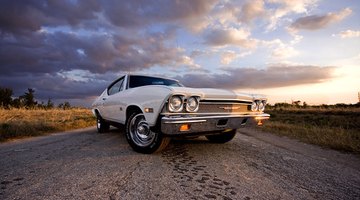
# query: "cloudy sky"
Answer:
x=306 y=50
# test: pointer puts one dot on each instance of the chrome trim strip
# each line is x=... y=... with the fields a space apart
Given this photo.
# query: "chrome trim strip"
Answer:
x=211 y=114
x=232 y=103
x=262 y=116
x=184 y=121
x=213 y=99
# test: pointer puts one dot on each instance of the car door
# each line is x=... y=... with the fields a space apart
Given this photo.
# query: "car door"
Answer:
x=112 y=103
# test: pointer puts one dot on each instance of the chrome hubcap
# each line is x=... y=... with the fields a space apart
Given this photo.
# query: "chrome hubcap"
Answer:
x=98 y=123
x=140 y=132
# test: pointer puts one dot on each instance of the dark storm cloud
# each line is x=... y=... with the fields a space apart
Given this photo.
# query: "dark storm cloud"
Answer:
x=274 y=76
x=56 y=86
x=30 y=15
x=141 y=12
x=40 y=39
x=27 y=63
x=49 y=53
x=26 y=47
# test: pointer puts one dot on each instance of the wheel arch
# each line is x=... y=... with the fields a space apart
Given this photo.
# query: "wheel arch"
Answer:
x=131 y=109
x=96 y=112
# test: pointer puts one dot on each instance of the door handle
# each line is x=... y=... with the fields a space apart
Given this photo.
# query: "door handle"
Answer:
x=104 y=98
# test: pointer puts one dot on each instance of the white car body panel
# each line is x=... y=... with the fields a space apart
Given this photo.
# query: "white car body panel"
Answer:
x=151 y=96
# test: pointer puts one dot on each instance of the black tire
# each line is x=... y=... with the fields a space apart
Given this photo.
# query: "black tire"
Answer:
x=101 y=125
x=222 y=137
x=141 y=138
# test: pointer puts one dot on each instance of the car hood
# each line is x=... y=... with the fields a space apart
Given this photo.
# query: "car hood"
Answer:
x=210 y=93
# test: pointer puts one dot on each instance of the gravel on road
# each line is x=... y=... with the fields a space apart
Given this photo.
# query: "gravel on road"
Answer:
x=83 y=164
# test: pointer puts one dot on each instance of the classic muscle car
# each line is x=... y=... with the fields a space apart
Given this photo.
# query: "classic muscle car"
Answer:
x=154 y=109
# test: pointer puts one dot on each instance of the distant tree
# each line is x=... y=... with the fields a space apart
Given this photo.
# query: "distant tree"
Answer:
x=29 y=98
x=324 y=106
x=296 y=103
x=17 y=103
x=305 y=105
x=281 y=105
x=357 y=105
x=341 y=105
x=50 y=104
x=41 y=105
x=5 y=97
x=65 y=105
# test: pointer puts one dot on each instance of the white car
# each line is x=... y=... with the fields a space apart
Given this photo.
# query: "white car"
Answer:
x=154 y=109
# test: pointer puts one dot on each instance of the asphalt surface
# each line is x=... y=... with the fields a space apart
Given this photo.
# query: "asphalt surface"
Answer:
x=85 y=165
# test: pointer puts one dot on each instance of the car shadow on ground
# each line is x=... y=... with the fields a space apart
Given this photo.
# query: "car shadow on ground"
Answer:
x=174 y=140
x=115 y=139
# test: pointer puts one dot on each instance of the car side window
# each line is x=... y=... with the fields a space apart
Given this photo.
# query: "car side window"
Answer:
x=116 y=87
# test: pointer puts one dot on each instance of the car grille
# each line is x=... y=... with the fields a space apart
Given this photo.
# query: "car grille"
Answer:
x=219 y=106
x=222 y=108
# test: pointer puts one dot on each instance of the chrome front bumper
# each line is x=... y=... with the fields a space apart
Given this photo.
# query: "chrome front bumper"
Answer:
x=202 y=124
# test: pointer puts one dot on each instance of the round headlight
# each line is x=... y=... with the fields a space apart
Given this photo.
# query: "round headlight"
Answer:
x=254 y=106
x=175 y=104
x=262 y=105
x=192 y=104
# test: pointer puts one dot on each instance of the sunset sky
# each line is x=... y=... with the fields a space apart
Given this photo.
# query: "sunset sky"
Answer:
x=70 y=50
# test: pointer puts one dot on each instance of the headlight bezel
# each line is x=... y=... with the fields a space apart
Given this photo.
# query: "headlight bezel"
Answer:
x=172 y=108
x=255 y=106
x=262 y=105
x=195 y=99
x=258 y=105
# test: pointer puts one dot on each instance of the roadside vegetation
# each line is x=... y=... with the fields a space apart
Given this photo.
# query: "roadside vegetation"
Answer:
x=24 y=117
x=18 y=123
x=331 y=126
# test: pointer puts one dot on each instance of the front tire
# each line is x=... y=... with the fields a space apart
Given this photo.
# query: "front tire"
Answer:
x=101 y=125
x=141 y=138
x=222 y=137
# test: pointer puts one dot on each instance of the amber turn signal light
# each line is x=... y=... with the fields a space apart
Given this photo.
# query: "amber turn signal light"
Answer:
x=185 y=127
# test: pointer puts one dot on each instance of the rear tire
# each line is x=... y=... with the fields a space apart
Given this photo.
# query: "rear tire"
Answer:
x=141 y=138
x=101 y=125
x=222 y=137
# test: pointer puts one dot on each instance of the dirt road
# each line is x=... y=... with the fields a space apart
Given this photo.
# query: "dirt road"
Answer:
x=86 y=165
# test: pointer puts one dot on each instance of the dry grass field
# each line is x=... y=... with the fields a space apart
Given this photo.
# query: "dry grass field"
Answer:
x=336 y=128
x=17 y=123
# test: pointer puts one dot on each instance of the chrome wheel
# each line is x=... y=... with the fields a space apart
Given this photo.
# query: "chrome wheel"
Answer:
x=98 y=123
x=140 y=132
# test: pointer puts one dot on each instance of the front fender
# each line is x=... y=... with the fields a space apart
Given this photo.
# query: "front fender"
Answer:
x=150 y=100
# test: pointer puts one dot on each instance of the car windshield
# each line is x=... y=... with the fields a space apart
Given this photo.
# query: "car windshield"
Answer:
x=137 y=81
